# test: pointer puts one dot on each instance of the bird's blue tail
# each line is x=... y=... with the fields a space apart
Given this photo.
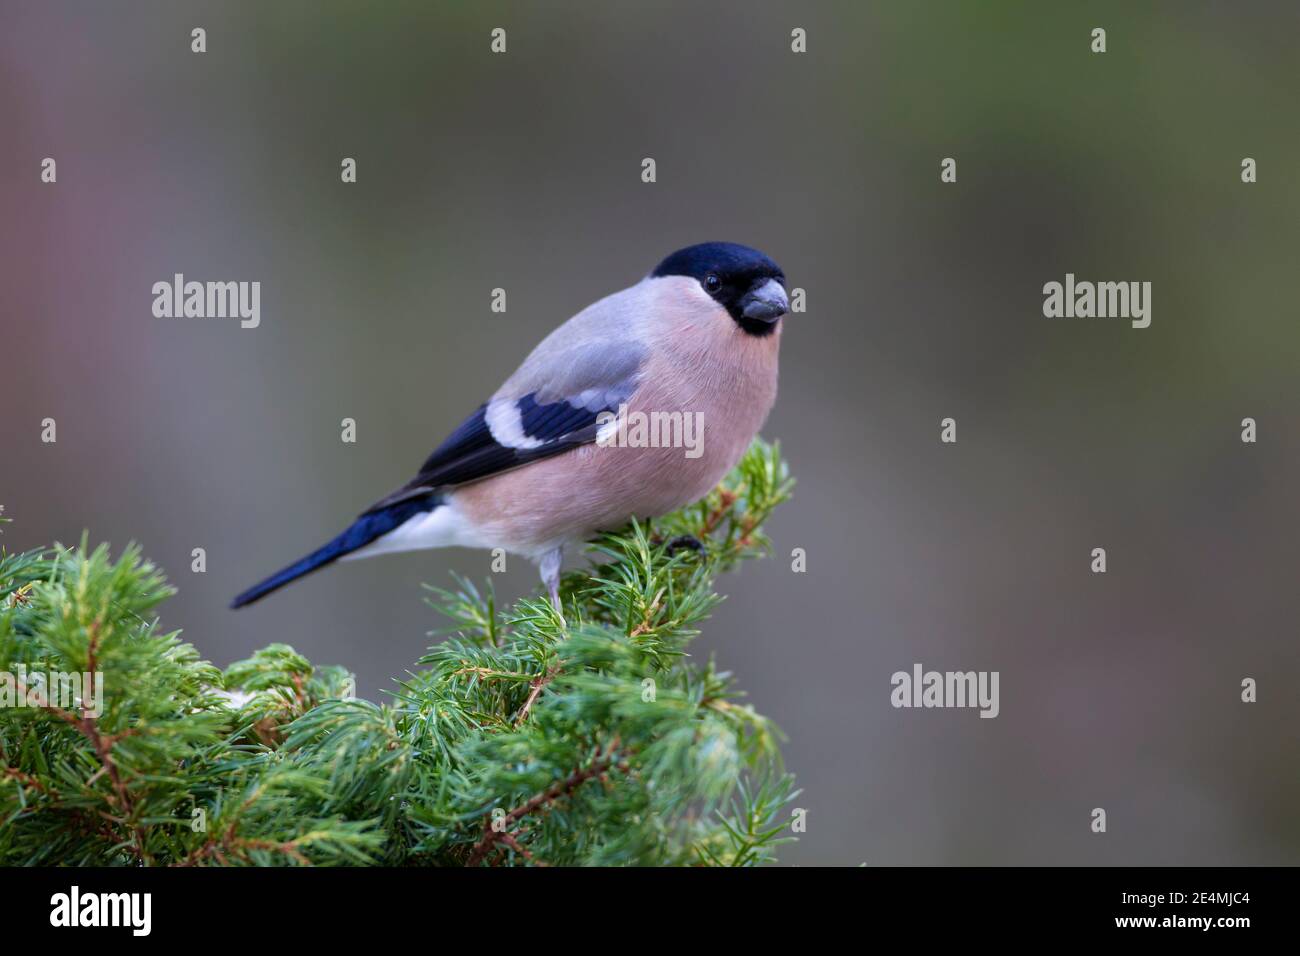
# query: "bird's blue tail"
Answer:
x=360 y=533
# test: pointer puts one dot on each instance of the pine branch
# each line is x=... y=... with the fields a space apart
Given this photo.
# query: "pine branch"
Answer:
x=602 y=761
x=524 y=738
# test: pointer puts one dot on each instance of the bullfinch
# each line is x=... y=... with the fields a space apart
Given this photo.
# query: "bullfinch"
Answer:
x=548 y=461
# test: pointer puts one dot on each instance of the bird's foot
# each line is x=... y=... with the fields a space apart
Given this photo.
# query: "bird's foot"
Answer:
x=685 y=542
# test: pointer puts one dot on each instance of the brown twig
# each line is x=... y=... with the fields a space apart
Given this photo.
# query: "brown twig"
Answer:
x=19 y=596
x=487 y=672
x=103 y=745
x=647 y=621
x=239 y=847
x=726 y=499
x=602 y=762
x=228 y=841
x=535 y=690
x=509 y=840
x=96 y=822
x=27 y=780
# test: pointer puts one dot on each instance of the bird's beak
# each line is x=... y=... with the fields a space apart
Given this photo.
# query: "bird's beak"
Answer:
x=766 y=302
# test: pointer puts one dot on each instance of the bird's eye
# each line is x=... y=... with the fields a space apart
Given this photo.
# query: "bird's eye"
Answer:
x=712 y=283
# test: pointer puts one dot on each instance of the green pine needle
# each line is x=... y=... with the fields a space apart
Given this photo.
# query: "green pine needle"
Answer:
x=524 y=738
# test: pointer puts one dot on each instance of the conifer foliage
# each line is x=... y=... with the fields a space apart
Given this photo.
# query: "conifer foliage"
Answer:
x=525 y=737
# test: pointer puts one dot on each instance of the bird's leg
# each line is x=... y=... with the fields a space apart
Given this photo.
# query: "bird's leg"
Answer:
x=550 y=568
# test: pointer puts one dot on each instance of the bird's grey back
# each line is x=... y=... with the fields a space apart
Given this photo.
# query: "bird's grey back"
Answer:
x=594 y=356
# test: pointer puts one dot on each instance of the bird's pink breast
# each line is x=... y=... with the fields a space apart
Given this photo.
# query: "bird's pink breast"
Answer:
x=707 y=368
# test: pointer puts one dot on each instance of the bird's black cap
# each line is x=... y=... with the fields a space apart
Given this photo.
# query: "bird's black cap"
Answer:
x=723 y=258
x=737 y=277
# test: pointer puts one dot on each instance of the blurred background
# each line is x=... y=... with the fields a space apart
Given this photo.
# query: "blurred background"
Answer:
x=522 y=171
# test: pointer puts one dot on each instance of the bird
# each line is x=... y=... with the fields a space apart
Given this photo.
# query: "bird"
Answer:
x=538 y=467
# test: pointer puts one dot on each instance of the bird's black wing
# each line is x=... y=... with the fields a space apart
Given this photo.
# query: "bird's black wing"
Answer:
x=552 y=415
